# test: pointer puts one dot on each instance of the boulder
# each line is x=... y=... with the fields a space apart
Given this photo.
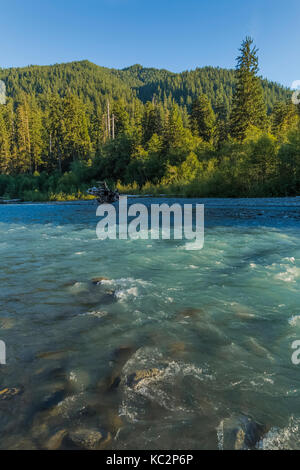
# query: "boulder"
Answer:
x=191 y=312
x=55 y=441
x=141 y=377
x=114 y=421
x=177 y=348
x=240 y=433
x=119 y=357
x=8 y=393
x=39 y=430
x=98 y=280
x=7 y=323
x=108 y=297
x=89 y=439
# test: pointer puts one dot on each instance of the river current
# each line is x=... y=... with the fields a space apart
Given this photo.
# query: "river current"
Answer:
x=174 y=349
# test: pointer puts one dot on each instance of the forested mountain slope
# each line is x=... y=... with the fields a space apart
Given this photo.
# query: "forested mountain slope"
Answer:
x=94 y=84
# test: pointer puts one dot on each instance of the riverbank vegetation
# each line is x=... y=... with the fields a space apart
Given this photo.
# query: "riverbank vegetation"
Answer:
x=205 y=133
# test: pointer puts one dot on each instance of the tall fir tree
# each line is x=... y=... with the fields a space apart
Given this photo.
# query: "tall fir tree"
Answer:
x=36 y=135
x=24 y=160
x=202 y=119
x=248 y=109
x=173 y=128
x=76 y=139
x=54 y=125
x=152 y=122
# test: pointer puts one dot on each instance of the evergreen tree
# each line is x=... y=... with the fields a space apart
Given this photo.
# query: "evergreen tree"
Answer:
x=222 y=125
x=36 y=135
x=152 y=122
x=202 y=119
x=122 y=121
x=4 y=145
x=75 y=136
x=24 y=160
x=248 y=109
x=54 y=123
x=289 y=158
x=97 y=129
x=173 y=128
x=284 y=119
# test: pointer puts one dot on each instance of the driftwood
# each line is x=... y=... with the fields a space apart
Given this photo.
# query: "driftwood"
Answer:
x=103 y=194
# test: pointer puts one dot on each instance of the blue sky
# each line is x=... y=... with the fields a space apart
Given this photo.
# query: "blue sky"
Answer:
x=173 y=34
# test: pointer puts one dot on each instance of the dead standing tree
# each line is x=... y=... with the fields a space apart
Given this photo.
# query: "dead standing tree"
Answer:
x=108 y=124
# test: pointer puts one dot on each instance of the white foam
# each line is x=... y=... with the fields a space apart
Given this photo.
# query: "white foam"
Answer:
x=289 y=275
x=96 y=313
x=292 y=259
x=294 y=320
x=124 y=294
x=286 y=438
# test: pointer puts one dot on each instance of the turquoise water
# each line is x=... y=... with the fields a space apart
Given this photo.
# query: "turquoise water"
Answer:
x=216 y=325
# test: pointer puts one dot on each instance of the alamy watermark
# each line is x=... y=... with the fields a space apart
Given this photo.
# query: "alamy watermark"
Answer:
x=296 y=354
x=2 y=353
x=159 y=221
x=2 y=92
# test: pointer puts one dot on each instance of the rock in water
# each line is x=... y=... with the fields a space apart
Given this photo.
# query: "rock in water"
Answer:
x=240 y=433
x=119 y=357
x=177 y=349
x=89 y=439
x=114 y=421
x=56 y=440
x=8 y=393
x=98 y=280
x=191 y=312
x=7 y=323
x=138 y=378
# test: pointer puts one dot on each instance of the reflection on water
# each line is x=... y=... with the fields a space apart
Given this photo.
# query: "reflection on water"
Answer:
x=172 y=349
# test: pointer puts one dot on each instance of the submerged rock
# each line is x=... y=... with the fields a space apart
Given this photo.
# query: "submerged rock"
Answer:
x=242 y=311
x=89 y=439
x=8 y=393
x=141 y=377
x=240 y=433
x=52 y=399
x=78 y=380
x=119 y=357
x=114 y=421
x=191 y=312
x=7 y=323
x=108 y=297
x=55 y=442
x=52 y=355
x=21 y=443
x=110 y=292
x=254 y=347
x=245 y=315
x=211 y=336
x=177 y=348
x=39 y=430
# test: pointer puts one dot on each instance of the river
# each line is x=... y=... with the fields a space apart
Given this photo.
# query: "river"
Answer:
x=175 y=349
